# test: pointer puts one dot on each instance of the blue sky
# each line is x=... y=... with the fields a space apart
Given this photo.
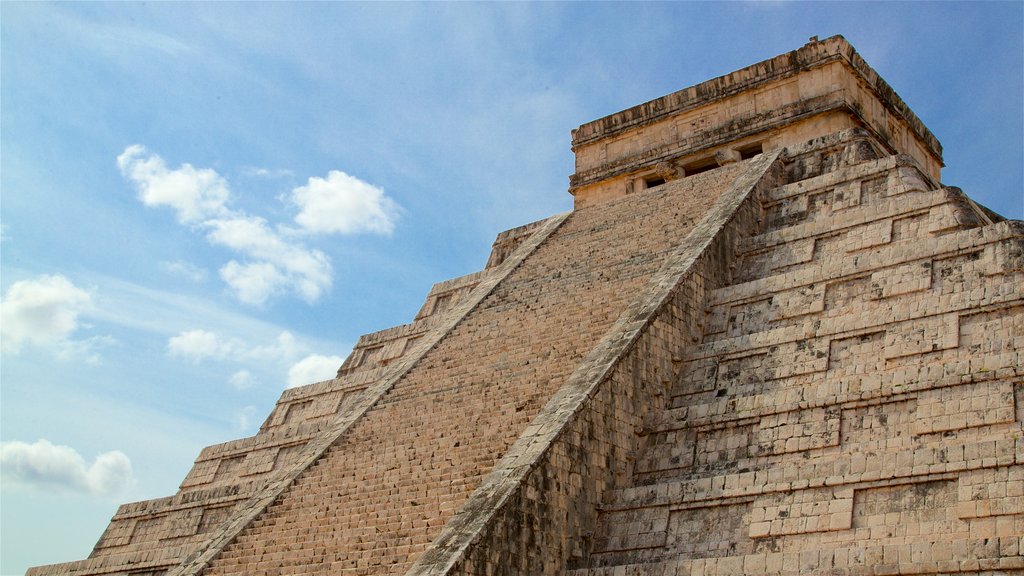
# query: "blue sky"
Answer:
x=205 y=203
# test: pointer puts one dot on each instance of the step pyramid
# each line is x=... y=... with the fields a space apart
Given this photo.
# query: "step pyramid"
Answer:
x=767 y=340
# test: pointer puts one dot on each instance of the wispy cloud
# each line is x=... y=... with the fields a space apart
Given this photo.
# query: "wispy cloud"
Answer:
x=199 y=345
x=313 y=368
x=45 y=312
x=242 y=380
x=44 y=465
x=267 y=173
x=272 y=261
x=244 y=418
x=185 y=270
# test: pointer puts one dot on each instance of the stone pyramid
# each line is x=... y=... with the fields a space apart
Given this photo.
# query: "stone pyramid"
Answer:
x=767 y=340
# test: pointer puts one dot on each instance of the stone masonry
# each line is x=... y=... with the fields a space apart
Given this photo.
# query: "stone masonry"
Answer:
x=767 y=340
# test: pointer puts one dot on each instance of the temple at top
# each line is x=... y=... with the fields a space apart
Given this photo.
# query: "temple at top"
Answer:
x=766 y=340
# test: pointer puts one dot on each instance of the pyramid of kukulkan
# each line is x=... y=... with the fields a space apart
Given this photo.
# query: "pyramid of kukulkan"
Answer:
x=766 y=340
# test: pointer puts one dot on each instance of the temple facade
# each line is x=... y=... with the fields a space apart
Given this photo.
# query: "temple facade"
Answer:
x=766 y=340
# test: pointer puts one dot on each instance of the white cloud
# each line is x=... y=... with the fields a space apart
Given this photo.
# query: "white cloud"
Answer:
x=242 y=380
x=185 y=270
x=313 y=368
x=253 y=283
x=284 y=348
x=195 y=194
x=277 y=264
x=43 y=312
x=344 y=204
x=273 y=262
x=46 y=465
x=197 y=345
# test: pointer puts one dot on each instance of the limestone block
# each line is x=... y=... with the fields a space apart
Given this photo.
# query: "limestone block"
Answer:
x=946 y=217
x=798 y=430
x=1004 y=257
x=202 y=472
x=181 y=523
x=118 y=533
x=791 y=254
x=906 y=179
x=802 y=512
x=869 y=235
x=787 y=211
x=902 y=279
x=798 y=302
x=964 y=406
x=874 y=423
x=905 y=509
x=711 y=531
x=800 y=357
x=674 y=450
x=741 y=370
x=855 y=354
x=721 y=446
x=991 y=492
x=633 y=529
x=929 y=334
x=727 y=156
x=846 y=195
x=230 y=467
x=148 y=529
x=749 y=317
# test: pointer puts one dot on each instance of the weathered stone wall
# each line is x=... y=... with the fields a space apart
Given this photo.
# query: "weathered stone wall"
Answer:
x=537 y=509
x=854 y=406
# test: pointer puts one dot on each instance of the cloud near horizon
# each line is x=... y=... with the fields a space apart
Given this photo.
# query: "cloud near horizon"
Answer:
x=44 y=465
x=313 y=368
x=201 y=345
x=272 y=261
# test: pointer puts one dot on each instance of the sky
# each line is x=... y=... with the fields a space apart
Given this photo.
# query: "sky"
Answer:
x=203 y=204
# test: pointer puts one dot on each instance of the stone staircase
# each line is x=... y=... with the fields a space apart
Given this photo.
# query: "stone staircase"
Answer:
x=856 y=403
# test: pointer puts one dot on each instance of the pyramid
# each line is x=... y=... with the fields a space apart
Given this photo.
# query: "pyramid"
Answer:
x=766 y=340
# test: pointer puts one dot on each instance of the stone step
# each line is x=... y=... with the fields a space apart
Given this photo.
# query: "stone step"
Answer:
x=993 y=556
x=181 y=516
x=983 y=499
x=752 y=448
x=831 y=153
x=843 y=191
x=996 y=448
x=804 y=247
x=951 y=369
x=865 y=286
x=926 y=323
x=1005 y=235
